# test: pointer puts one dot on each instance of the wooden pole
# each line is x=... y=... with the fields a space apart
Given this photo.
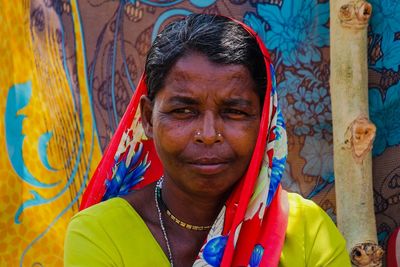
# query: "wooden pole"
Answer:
x=352 y=131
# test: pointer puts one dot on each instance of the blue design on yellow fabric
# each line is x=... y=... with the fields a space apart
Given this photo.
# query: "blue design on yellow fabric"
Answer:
x=18 y=97
x=67 y=208
x=42 y=148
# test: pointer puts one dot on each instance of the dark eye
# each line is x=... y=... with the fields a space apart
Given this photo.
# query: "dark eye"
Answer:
x=233 y=113
x=183 y=113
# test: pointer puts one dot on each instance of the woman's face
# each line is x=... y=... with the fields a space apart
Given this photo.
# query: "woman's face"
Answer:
x=204 y=123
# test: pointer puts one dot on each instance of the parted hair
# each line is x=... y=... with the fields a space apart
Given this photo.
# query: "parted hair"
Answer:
x=220 y=39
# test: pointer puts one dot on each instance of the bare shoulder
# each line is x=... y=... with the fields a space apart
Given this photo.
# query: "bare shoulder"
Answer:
x=143 y=202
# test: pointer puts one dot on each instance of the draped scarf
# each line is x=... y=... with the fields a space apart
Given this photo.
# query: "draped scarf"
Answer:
x=250 y=229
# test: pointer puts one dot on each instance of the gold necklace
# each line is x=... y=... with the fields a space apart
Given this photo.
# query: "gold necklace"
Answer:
x=173 y=218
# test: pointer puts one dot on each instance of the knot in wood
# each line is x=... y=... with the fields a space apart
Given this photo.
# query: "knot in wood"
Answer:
x=359 y=137
x=367 y=254
x=355 y=14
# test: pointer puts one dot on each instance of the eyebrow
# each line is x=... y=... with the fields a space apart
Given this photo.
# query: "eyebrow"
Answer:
x=226 y=102
x=182 y=100
x=237 y=102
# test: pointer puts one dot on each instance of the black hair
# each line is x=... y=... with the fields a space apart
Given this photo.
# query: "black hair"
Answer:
x=220 y=39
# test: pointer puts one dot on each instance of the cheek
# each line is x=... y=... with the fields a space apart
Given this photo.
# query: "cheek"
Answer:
x=170 y=139
x=243 y=139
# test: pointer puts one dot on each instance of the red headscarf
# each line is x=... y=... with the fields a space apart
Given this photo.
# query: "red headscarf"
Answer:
x=250 y=229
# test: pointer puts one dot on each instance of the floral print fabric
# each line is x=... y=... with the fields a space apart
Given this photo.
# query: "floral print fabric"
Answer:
x=69 y=69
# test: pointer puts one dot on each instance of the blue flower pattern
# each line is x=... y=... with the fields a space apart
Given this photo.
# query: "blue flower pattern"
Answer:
x=214 y=250
x=295 y=30
x=385 y=115
x=297 y=33
x=385 y=24
x=256 y=256
x=126 y=175
x=384 y=103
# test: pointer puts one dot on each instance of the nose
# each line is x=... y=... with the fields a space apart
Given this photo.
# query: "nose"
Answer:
x=207 y=133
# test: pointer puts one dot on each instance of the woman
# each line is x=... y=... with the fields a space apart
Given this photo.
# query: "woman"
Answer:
x=205 y=153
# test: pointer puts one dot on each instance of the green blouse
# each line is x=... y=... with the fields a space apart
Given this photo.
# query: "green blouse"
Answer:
x=111 y=233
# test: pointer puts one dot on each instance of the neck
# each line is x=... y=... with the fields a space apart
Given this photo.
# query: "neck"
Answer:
x=191 y=208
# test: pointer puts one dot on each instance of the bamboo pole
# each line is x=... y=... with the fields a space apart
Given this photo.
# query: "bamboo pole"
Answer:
x=352 y=131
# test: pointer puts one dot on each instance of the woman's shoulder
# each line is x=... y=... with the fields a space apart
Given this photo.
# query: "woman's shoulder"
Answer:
x=300 y=204
x=107 y=233
x=106 y=212
x=312 y=235
x=306 y=215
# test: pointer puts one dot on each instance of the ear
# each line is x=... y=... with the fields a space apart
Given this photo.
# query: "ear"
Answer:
x=146 y=111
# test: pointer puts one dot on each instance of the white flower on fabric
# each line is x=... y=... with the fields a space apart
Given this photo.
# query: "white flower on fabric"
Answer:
x=215 y=234
x=257 y=202
x=237 y=232
x=318 y=154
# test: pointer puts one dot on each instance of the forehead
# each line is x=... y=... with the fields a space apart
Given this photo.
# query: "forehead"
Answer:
x=195 y=74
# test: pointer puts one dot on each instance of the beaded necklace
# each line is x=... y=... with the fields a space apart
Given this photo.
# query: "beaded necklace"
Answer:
x=157 y=196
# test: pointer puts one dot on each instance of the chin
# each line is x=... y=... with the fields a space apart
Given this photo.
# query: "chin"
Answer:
x=211 y=187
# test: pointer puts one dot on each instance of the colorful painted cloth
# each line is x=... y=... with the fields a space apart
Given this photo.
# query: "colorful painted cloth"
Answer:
x=253 y=219
x=58 y=87
x=97 y=236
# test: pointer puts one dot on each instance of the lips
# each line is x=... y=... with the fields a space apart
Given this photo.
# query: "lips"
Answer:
x=208 y=166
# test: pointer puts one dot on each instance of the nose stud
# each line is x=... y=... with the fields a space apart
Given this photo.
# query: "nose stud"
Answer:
x=198 y=134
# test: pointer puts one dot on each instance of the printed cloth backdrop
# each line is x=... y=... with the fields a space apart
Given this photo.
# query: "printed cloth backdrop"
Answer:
x=68 y=69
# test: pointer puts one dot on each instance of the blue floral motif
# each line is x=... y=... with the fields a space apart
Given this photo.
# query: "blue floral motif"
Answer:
x=320 y=96
x=288 y=111
x=278 y=167
x=289 y=85
x=385 y=22
x=302 y=97
x=301 y=127
x=385 y=115
x=256 y=256
x=385 y=16
x=323 y=131
x=280 y=125
x=304 y=108
x=126 y=176
x=296 y=29
x=214 y=250
x=273 y=78
x=318 y=154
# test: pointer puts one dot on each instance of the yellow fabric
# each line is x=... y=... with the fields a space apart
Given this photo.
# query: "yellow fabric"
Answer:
x=38 y=198
x=113 y=234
